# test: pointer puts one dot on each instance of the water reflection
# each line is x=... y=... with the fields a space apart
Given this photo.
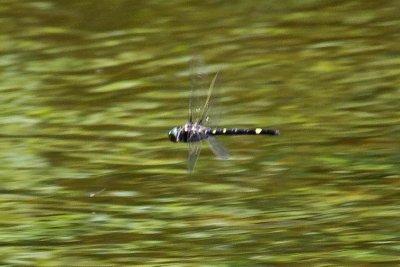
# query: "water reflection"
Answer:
x=90 y=89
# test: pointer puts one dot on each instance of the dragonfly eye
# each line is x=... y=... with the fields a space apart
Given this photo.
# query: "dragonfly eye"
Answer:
x=173 y=135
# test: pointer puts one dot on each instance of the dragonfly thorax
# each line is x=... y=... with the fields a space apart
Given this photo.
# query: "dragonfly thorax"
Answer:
x=190 y=132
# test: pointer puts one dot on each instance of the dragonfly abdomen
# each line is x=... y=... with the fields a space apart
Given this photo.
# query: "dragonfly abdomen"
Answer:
x=236 y=131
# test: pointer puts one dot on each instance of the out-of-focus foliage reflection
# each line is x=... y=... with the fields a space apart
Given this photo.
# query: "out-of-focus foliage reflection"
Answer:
x=90 y=88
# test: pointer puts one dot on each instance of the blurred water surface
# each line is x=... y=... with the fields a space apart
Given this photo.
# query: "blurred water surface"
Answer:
x=89 y=90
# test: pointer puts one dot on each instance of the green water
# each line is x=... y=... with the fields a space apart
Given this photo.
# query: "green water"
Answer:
x=89 y=90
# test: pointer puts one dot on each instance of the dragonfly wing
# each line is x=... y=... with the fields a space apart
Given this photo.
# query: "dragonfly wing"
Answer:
x=217 y=148
x=206 y=107
x=201 y=97
x=194 y=152
x=197 y=88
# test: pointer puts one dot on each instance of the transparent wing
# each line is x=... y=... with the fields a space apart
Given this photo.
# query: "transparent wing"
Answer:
x=194 y=152
x=217 y=148
x=204 y=114
x=201 y=91
x=198 y=81
x=200 y=103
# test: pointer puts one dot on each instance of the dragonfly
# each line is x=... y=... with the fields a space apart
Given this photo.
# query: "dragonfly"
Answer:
x=197 y=130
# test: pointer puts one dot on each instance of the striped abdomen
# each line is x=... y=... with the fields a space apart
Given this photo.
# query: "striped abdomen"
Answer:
x=235 y=131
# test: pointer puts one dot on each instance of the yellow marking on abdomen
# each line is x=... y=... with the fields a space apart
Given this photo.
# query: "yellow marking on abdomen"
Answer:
x=214 y=131
x=258 y=130
x=224 y=130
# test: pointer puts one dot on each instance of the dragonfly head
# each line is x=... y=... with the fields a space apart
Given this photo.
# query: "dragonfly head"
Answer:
x=174 y=134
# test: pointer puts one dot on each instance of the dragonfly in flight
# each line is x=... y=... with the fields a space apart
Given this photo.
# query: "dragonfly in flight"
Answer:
x=197 y=129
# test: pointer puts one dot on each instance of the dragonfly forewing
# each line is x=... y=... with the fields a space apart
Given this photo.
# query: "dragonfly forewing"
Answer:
x=194 y=153
x=198 y=85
